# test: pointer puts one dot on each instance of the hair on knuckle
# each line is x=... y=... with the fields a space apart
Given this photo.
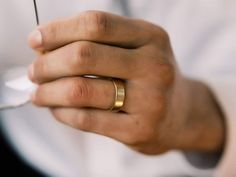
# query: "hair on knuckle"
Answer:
x=84 y=50
x=97 y=23
x=102 y=22
x=83 y=53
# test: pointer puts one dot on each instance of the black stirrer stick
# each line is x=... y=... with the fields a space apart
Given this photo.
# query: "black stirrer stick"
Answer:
x=36 y=12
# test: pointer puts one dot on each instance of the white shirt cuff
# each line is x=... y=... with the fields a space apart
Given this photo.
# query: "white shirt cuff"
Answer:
x=225 y=92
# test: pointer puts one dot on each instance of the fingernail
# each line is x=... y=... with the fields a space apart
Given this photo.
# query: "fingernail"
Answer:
x=35 y=39
x=31 y=72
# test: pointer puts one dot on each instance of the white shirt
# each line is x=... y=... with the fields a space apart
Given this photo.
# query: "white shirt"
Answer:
x=203 y=36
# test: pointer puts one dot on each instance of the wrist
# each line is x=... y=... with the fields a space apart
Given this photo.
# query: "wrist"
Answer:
x=203 y=127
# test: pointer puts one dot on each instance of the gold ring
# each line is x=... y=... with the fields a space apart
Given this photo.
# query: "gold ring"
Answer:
x=119 y=95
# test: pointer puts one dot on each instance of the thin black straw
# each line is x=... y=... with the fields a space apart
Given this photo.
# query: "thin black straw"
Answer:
x=36 y=12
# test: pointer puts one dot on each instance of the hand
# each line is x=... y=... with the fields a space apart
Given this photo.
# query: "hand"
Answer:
x=161 y=110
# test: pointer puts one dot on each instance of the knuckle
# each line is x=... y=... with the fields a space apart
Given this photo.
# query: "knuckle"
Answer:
x=161 y=37
x=96 y=22
x=83 y=53
x=80 y=90
x=84 y=50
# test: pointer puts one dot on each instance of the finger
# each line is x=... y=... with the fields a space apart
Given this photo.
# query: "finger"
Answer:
x=94 y=26
x=85 y=58
x=76 y=92
x=114 y=125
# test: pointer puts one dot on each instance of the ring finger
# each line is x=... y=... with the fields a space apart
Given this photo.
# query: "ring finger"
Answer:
x=78 y=92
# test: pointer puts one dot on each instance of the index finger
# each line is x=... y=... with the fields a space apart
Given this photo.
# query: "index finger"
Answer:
x=93 y=26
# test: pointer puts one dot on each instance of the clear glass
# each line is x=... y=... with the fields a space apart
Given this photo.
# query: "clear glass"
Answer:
x=15 y=87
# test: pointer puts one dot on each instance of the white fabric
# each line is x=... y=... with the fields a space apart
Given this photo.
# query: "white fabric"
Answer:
x=203 y=38
x=21 y=83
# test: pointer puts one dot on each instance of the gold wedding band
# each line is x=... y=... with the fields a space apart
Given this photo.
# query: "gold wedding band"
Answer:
x=119 y=95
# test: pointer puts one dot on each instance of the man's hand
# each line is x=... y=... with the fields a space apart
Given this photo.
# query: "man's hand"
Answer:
x=163 y=110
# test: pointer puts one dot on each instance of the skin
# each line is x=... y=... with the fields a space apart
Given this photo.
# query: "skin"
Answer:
x=163 y=109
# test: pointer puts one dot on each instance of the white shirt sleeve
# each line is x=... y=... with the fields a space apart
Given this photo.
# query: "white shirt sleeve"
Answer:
x=224 y=90
x=218 y=71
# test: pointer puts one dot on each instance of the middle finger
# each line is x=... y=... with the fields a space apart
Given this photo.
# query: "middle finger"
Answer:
x=84 y=58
